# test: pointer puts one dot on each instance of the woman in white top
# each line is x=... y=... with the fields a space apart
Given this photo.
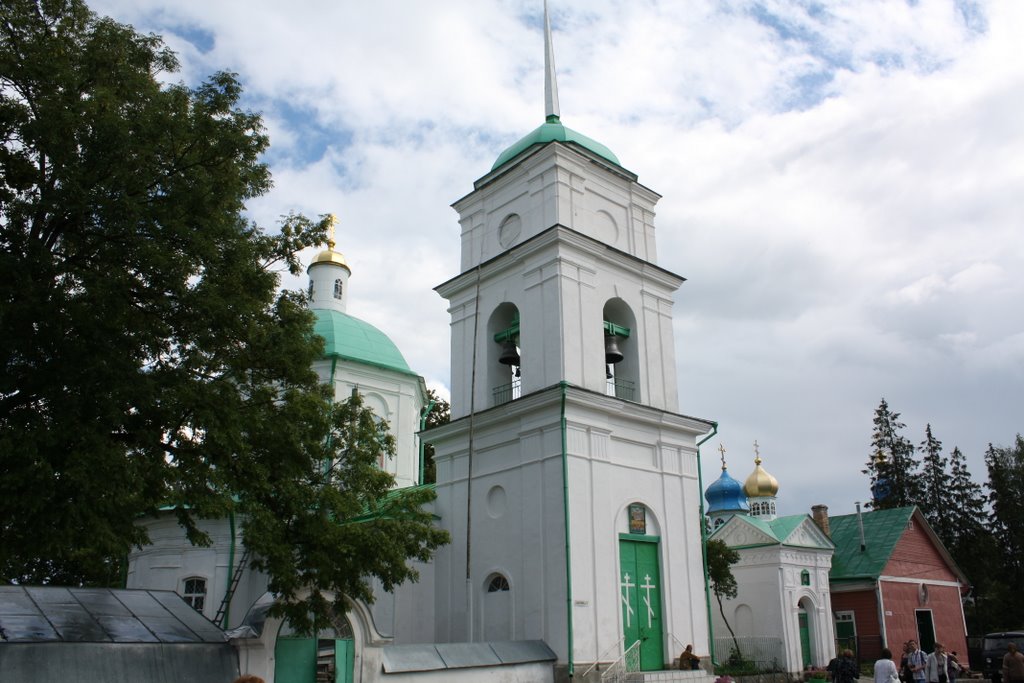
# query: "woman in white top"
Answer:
x=935 y=665
x=885 y=668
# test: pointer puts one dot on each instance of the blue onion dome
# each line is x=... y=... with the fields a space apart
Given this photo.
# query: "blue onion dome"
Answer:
x=726 y=494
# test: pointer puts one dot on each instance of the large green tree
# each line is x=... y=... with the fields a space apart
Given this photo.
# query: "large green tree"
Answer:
x=146 y=356
x=935 y=501
x=1006 y=526
x=891 y=465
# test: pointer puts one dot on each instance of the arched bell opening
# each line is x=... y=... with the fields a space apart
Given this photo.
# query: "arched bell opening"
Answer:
x=621 y=357
x=504 y=359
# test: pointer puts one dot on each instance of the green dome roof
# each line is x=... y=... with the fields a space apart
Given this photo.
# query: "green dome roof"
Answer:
x=353 y=339
x=550 y=131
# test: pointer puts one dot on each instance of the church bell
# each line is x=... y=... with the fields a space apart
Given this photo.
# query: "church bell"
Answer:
x=612 y=354
x=509 y=354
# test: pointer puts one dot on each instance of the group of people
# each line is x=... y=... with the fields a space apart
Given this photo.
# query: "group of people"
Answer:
x=917 y=667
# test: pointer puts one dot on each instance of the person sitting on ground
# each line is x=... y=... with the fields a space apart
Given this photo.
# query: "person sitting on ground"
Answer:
x=688 y=660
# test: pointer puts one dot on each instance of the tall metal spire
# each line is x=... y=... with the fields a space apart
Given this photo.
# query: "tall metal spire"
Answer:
x=550 y=83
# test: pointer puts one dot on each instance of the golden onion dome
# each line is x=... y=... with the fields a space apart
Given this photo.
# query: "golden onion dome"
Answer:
x=760 y=484
x=329 y=255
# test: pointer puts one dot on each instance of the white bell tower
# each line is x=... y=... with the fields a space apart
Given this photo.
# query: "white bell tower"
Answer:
x=566 y=477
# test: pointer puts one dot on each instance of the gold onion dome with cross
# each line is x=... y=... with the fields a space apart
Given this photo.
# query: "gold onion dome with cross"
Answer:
x=329 y=255
x=760 y=484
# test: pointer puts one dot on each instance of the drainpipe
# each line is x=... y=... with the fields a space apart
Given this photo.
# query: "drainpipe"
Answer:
x=704 y=546
x=423 y=425
x=565 y=509
x=231 y=571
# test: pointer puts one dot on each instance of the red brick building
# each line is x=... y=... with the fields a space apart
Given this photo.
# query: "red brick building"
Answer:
x=894 y=582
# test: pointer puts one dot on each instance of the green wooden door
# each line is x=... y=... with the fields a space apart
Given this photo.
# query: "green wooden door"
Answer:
x=640 y=590
x=312 y=660
x=805 y=638
x=295 y=660
x=343 y=654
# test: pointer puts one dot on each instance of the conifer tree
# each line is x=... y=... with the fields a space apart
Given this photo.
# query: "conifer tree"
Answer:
x=935 y=501
x=891 y=465
x=1006 y=530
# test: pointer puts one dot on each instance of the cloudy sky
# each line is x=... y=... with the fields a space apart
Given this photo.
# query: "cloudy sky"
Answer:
x=843 y=187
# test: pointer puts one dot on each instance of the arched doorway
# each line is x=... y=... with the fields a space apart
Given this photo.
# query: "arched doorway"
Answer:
x=324 y=658
x=806 y=626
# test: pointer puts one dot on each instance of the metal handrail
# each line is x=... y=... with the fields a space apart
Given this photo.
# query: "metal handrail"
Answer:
x=629 y=661
x=597 y=663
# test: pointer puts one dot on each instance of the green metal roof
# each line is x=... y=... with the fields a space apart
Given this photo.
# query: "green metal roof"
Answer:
x=353 y=339
x=550 y=131
x=882 y=530
x=778 y=529
x=782 y=527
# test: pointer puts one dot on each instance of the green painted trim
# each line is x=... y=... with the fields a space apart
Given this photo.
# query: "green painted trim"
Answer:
x=231 y=571
x=383 y=366
x=508 y=334
x=617 y=330
x=704 y=545
x=565 y=506
x=639 y=537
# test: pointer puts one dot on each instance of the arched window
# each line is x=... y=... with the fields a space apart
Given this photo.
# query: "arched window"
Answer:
x=498 y=584
x=805 y=578
x=194 y=592
x=337 y=288
x=504 y=369
x=622 y=370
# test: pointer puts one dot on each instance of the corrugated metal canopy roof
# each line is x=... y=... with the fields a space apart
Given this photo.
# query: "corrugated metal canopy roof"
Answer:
x=100 y=615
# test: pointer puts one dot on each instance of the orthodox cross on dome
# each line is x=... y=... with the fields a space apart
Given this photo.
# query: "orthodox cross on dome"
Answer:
x=551 y=113
x=757 y=453
x=332 y=220
x=721 y=449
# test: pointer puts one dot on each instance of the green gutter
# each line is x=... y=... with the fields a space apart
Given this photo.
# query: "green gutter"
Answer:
x=704 y=545
x=423 y=425
x=565 y=507
x=231 y=571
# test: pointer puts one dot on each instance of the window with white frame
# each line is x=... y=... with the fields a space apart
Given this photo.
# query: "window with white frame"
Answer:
x=195 y=592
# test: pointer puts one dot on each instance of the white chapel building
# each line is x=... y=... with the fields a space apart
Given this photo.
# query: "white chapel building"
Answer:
x=781 y=617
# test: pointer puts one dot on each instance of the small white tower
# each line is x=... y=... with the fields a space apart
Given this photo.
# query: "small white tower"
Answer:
x=328 y=276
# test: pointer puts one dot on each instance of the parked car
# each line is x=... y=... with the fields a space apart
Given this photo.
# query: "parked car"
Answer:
x=993 y=647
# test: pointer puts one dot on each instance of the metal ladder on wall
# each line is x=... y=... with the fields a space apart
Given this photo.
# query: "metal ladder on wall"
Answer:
x=236 y=577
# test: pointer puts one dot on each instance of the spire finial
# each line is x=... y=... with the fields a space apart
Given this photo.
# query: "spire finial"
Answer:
x=757 y=453
x=721 y=449
x=550 y=83
x=332 y=220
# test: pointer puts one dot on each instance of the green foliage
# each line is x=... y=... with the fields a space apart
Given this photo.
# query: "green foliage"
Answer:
x=440 y=414
x=935 y=502
x=147 y=358
x=720 y=559
x=891 y=465
x=1003 y=603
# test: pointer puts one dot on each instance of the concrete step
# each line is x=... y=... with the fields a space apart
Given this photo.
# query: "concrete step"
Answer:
x=673 y=676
